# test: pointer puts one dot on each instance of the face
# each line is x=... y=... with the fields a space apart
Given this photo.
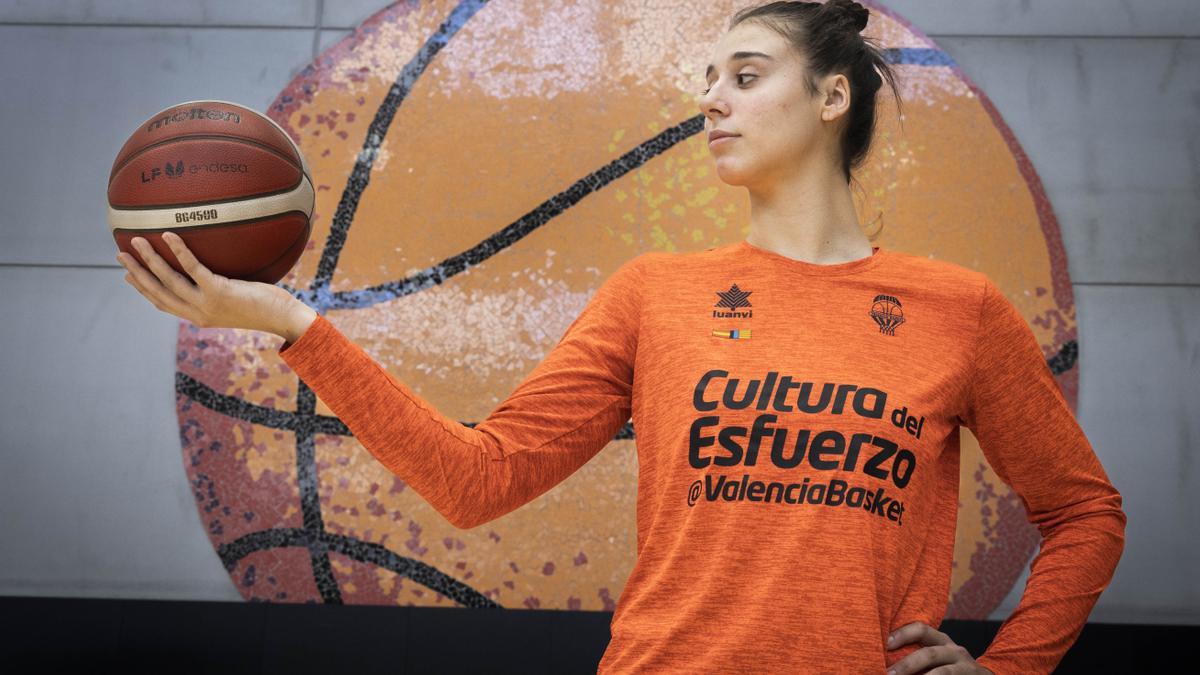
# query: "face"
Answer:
x=764 y=100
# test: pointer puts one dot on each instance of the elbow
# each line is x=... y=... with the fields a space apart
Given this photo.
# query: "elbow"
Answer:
x=464 y=519
x=1118 y=529
x=1117 y=521
x=453 y=515
x=1103 y=512
x=468 y=522
x=461 y=522
x=472 y=515
x=1107 y=523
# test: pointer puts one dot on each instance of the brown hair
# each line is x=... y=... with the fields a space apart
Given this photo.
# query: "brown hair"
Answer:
x=827 y=34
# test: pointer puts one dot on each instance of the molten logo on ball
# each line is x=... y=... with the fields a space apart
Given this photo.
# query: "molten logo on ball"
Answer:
x=194 y=114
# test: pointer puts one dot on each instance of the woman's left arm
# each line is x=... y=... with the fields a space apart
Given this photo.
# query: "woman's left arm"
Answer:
x=1034 y=443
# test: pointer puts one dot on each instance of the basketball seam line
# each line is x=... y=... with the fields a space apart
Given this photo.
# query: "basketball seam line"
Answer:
x=202 y=204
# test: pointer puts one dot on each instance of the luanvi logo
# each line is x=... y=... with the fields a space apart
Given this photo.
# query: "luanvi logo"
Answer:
x=886 y=312
x=194 y=114
x=732 y=299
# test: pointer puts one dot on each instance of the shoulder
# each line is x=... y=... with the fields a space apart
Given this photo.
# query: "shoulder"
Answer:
x=937 y=271
x=673 y=263
x=649 y=265
x=951 y=284
x=967 y=301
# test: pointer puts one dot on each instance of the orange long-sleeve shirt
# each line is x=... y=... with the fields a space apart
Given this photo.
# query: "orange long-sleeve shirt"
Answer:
x=797 y=430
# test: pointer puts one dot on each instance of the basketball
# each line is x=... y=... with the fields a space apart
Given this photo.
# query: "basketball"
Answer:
x=227 y=179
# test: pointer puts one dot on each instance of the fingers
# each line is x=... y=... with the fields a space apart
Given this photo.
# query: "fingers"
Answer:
x=176 y=283
x=926 y=659
x=917 y=631
x=195 y=269
x=937 y=649
x=149 y=285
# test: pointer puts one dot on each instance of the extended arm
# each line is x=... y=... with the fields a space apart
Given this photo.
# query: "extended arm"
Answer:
x=567 y=409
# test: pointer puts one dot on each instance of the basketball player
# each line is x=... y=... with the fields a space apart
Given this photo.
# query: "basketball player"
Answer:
x=798 y=482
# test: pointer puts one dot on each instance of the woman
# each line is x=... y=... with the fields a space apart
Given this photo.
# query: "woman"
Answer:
x=797 y=398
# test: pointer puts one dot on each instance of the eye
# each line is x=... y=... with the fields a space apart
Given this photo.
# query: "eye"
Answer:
x=739 y=75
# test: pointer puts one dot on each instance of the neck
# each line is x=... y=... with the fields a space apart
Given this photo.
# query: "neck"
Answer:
x=808 y=215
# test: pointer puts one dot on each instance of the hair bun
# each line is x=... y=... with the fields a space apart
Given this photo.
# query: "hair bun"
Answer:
x=857 y=14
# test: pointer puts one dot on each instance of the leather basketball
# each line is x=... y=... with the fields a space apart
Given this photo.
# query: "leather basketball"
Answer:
x=227 y=179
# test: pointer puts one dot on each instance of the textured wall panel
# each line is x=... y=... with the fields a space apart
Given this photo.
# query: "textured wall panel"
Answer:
x=92 y=87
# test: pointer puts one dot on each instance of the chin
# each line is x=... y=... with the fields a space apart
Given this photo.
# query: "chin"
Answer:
x=733 y=172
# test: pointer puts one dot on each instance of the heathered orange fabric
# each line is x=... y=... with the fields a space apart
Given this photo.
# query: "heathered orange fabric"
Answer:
x=797 y=488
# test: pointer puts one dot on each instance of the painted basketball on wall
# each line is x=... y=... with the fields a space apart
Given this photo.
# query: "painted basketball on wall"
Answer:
x=480 y=169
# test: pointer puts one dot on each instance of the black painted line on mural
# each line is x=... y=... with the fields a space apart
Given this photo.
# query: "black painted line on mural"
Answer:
x=322 y=300
x=422 y=573
x=310 y=501
x=231 y=406
x=365 y=552
x=360 y=175
x=356 y=184
x=1065 y=359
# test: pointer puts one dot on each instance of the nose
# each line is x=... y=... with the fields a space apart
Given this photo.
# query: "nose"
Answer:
x=710 y=106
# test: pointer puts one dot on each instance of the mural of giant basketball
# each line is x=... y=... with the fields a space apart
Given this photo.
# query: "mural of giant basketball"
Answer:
x=480 y=168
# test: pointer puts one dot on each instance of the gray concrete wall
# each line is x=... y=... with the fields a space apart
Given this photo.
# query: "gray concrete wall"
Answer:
x=1102 y=95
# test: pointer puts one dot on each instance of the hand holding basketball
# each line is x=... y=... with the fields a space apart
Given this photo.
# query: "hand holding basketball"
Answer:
x=213 y=301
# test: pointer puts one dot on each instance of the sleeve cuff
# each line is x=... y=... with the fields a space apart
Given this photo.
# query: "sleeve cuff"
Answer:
x=309 y=345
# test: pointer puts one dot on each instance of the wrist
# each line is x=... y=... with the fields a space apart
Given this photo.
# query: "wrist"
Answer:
x=297 y=322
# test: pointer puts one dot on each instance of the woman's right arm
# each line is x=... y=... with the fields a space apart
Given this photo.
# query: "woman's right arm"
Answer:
x=567 y=409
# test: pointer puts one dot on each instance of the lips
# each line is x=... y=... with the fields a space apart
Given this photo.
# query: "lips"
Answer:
x=717 y=135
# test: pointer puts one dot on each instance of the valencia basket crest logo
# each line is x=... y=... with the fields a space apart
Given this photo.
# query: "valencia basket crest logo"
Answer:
x=886 y=312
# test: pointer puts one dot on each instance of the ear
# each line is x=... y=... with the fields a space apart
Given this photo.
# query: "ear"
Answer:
x=835 y=89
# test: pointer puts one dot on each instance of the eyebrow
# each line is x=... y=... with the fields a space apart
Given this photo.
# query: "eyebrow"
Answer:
x=738 y=56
